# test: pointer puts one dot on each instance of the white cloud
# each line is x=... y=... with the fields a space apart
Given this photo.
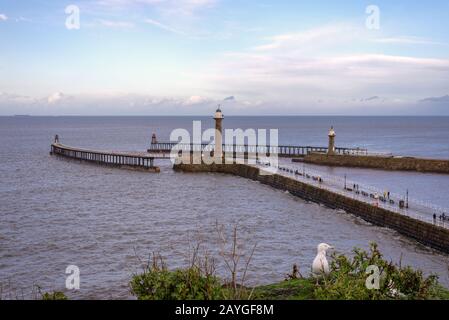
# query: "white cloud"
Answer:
x=324 y=64
x=55 y=97
x=163 y=26
x=175 y=16
x=195 y=100
x=15 y=98
x=183 y=7
x=116 y=104
x=443 y=99
x=3 y=17
x=324 y=35
x=116 y=24
x=373 y=98
x=135 y=104
x=23 y=19
x=287 y=73
x=407 y=40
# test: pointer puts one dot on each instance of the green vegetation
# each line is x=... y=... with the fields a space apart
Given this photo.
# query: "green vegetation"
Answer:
x=347 y=281
x=54 y=296
x=36 y=294
x=198 y=281
x=348 y=278
x=194 y=283
x=293 y=289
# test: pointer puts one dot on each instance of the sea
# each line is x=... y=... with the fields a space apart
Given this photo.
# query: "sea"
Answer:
x=108 y=222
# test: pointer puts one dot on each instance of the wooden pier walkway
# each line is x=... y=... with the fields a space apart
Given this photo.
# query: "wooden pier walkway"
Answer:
x=129 y=160
x=281 y=151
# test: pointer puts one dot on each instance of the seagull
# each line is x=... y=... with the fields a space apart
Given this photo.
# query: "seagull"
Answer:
x=320 y=265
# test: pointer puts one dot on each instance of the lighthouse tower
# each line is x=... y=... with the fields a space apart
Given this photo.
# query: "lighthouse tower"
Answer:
x=153 y=139
x=218 y=117
x=331 y=148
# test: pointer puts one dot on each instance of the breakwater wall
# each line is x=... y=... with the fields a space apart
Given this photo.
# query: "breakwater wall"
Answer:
x=425 y=233
x=380 y=162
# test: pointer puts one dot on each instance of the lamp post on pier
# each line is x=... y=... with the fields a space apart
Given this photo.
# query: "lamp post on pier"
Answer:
x=406 y=202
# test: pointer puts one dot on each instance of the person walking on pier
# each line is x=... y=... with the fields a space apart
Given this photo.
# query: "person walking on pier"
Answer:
x=434 y=218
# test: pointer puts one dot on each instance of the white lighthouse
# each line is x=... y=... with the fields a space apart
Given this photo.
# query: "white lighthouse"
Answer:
x=331 y=148
x=218 y=151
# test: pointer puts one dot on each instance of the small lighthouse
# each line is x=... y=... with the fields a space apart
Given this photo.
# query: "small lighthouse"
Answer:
x=331 y=148
x=153 y=139
x=218 y=117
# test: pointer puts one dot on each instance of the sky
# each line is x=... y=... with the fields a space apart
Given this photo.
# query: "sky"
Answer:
x=183 y=57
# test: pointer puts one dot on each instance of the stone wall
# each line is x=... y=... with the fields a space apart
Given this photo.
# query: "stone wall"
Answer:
x=426 y=233
x=380 y=162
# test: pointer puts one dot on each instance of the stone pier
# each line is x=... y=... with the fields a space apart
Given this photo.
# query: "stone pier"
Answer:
x=426 y=233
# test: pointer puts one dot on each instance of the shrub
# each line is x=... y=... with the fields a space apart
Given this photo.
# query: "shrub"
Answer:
x=347 y=279
x=54 y=296
x=158 y=283
x=198 y=281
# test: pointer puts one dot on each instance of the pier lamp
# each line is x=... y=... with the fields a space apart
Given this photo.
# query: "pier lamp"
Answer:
x=153 y=139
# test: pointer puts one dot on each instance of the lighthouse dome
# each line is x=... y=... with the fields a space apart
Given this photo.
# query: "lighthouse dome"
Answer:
x=332 y=132
x=218 y=114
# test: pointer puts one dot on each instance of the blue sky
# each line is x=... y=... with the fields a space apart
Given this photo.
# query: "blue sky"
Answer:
x=185 y=56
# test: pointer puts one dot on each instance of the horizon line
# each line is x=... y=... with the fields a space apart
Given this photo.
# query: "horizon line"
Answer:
x=232 y=115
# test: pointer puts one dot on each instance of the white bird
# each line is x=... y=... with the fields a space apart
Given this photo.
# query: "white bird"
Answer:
x=320 y=265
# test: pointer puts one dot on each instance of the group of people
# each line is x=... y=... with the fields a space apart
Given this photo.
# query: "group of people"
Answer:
x=386 y=196
x=296 y=172
x=443 y=217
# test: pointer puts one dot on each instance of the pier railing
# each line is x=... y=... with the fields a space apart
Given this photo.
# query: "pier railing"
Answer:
x=414 y=208
x=281 y=151
x=136 y=160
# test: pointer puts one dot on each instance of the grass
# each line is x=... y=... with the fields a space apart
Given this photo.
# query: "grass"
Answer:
x=298 y=289
x=304 y=289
